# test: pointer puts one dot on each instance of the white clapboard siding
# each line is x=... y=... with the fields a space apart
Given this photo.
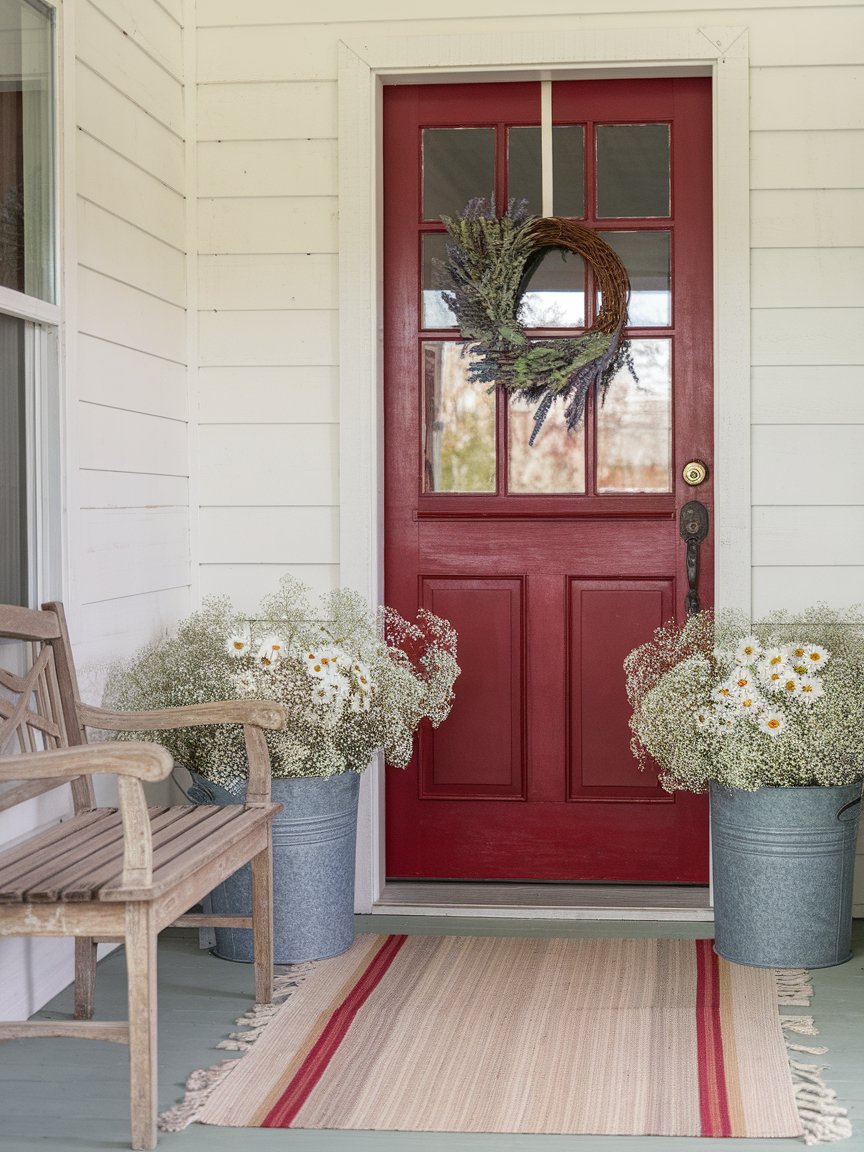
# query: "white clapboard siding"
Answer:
x=268 y=395
x=129 y=552
x=806 y=98
x=808 y=394
x=279 y=337
x=807 y=278
x=807 y=335
x=124 y=252
x=267 y=168
x=121 y=187
x=297 y=109
x=797 y=588
x=247 y=464
x=281 y=224
x=249 y=282
x=102 y=45
x=283 y=52
x=127 y=128
x=121 y=377
x=805 y=536
x=151 y=28
x=131 y=490
x=247 y=584
x=106 y=629
x=113 y=440
x=116 y=311
x=794 y=464
x=809 y=159
x=807 y=218
x=270 y=535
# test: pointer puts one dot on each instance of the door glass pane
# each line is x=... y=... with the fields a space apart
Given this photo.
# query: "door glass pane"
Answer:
x=646 y=258
x=434 y=312
x=568 y=164
x=555 y=462
x=26 y=150
x=458 y=164
x=555 y=296
x=13 y=463
x=634 y=425
x=458 y=423
x=632 y=169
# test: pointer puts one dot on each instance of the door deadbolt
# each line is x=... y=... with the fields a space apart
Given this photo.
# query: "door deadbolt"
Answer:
x=695 y=472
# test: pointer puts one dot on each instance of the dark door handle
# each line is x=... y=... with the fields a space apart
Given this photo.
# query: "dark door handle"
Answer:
x=694 y=529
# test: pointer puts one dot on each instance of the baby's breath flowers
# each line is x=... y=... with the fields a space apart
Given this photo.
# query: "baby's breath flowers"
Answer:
x=776 y=703
x=355 y=681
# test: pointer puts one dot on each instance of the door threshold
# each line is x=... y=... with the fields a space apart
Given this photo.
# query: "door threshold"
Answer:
x=545 y=901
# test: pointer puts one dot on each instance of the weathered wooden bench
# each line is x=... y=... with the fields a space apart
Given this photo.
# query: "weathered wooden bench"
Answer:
x=121 y=874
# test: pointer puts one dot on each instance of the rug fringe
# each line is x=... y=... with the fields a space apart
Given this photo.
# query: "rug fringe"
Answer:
x=823 y=1120
x=203 y=1083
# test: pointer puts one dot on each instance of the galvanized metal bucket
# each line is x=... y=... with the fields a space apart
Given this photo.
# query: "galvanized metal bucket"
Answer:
x=314 y=841
x=782 y=871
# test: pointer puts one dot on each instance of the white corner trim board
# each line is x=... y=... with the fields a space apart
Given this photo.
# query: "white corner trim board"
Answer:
x=365 y=65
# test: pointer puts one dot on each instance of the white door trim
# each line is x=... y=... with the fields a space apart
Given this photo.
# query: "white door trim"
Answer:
x=364 y=67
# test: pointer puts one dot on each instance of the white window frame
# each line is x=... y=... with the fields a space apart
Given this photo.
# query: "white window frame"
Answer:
x=43 y=407
x=364 y=68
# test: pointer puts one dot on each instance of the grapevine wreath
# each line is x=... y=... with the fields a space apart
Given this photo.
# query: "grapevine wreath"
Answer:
x=490 y=260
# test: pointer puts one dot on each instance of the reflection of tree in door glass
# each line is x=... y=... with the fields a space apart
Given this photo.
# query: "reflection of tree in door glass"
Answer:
x=634 y=425
x=458 y=424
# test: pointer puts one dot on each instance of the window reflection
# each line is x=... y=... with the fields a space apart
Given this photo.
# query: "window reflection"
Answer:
x=634 y=425
x=645 y=255
x=458 y=164
x=555 y=462
x=458 y=423
x=632 y=170
x=555 y=295
x=434 y=312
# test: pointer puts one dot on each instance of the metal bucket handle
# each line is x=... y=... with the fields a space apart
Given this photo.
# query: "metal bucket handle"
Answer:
x=846 y=808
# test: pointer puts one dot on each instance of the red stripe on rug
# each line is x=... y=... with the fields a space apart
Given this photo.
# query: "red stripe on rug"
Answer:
x=713 y=1099
x=282 y=1114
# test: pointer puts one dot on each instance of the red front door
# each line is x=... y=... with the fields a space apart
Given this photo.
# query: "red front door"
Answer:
x=553 y=561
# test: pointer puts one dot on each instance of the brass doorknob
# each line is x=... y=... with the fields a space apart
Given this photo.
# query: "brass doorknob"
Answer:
x=695 y=472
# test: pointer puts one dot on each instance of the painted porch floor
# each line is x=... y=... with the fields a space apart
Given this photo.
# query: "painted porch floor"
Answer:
x=72 y=1095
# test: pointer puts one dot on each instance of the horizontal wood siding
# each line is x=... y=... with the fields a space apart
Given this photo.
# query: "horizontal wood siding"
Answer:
x=130 y=544
x=267 y=240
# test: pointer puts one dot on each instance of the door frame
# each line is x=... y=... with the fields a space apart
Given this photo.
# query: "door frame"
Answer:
x=364 y=68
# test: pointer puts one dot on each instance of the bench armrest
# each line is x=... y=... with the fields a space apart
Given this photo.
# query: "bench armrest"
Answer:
x=132 y=762
x=254 y=715
x=261 y=713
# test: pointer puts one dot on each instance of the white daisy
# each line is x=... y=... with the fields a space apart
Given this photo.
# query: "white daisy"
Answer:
x=319 y=665
x=237 y=645
x=749 y=703
x=742 y=681
x=815 y=655
x=723 y=693
x=747 y=650
x=771 y=676
x=790 y=685
x=270 y=650
x=361 y=675
x=771 y=722
x=774 y=657
x=811 y=689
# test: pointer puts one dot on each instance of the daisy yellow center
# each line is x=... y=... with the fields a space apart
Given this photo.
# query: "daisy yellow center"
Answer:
x=748 y=703
x=748 y=651
x=815 y=657
x=807 y=688
x=776 y=659
x=264 y=660
x=789 y=685
x=743 y=683
x=239 y=645
x=774 y=722
x=724 y=691
x=800 y=668
x=799 y=652
x=775 y=675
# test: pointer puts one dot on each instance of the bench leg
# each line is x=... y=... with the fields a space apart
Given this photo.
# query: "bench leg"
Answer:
x=141 y=977
x=262 y=921
x=85 y=977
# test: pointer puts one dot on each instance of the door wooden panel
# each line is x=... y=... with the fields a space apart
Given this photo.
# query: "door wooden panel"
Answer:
x=479 y=751
x=549 y=586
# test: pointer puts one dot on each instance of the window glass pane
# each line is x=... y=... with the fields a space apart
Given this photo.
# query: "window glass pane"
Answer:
x=434 y=312
x=26 y=149
x=634 y=424
x=568 y=164
x=555 y=462
x=458 y=164
x=555 y=295
x=458 y=423
x=632 y=169
x=13 y=463
x=646 y=258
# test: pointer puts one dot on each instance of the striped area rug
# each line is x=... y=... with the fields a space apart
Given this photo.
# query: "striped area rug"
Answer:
x=491 y=1034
